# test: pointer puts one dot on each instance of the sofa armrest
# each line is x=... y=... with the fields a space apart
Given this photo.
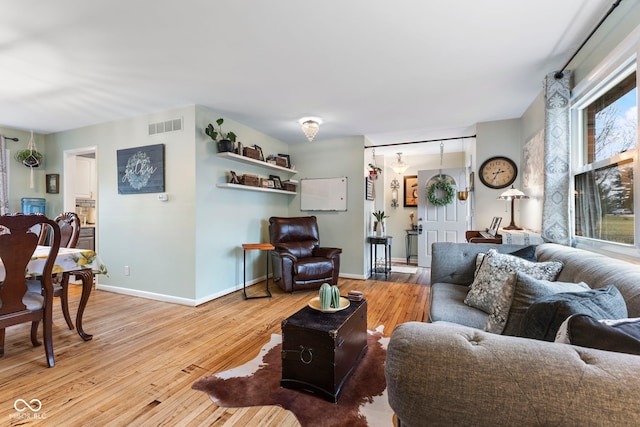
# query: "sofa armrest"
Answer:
x=326 y=252
x=455 y=375
x=284 y=253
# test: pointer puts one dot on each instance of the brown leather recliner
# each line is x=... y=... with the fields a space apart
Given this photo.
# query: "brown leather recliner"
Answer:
x=298 y=260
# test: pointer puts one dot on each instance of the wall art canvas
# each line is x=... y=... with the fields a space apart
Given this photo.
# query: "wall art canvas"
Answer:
x=533 y=154
x=141 y=170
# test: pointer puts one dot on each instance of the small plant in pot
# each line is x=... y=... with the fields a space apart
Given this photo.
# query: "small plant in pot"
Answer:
x=378 y=226
x=30 y=158
x=374 y=171
x=225 y=140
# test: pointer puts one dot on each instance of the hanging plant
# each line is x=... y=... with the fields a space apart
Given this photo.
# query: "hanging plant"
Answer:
x=29 y=158
x=437 y=188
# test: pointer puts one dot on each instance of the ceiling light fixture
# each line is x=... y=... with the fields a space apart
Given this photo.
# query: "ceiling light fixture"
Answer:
x=399 y=166
x=310 y=126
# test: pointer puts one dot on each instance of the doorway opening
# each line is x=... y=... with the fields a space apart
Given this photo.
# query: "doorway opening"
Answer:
x=80 y=187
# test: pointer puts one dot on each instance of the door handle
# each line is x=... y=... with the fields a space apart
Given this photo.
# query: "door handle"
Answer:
x=420 y=229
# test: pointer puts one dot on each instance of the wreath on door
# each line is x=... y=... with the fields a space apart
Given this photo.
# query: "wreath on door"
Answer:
x=440 y=193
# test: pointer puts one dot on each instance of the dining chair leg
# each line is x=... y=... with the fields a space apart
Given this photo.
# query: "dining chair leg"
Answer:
x=64 y=299
x=47 y=333
x=34 y=333
x=1 y=342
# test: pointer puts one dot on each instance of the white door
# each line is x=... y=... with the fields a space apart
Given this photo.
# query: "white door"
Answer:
x=439 y=223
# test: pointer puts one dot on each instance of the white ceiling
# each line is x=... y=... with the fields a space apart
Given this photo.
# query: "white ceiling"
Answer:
x=394 y=71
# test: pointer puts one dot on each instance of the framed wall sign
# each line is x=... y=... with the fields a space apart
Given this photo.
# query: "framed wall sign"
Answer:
x=53 y=183
x=141 y=170
x=410 y=191
x=368 y=188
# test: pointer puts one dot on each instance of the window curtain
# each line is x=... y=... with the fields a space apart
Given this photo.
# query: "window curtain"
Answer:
x=4 y=178
x=556 y=225
x=588 y=206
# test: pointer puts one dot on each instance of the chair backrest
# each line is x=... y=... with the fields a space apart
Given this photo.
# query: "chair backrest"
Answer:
x=17 y=244
x=298 y=235
x=69 y=224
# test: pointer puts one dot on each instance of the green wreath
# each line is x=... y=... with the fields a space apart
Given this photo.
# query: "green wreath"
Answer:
x=449 y=193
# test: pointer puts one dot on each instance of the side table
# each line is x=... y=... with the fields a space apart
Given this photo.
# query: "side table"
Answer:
x=374 y=241
x=255 y=247
x=409 y=238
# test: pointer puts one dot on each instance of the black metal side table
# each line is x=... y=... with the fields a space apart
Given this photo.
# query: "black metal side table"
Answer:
x=374 y=241
x=409 y=238
x=255 y=247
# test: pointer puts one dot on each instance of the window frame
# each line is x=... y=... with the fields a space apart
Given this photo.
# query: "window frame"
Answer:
x=612 y=70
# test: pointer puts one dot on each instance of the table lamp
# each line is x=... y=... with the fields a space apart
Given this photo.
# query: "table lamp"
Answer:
x=512 y=194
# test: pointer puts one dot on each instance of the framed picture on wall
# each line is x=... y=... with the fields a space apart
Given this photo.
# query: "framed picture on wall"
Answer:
x=141 y=169
x=410 y=191
x=53 y=183
x=368 y=182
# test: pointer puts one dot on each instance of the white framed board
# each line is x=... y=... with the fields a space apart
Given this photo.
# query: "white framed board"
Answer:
x=323 y=194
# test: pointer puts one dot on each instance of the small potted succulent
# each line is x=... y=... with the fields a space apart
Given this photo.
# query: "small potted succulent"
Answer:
x=378 y=225
x=225 y=140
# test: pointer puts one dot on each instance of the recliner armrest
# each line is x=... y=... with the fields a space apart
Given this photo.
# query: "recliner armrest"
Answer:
x=285 y=254
x=327 y=252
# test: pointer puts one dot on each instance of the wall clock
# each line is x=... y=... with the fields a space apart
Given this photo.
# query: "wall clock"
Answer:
x=498 y=172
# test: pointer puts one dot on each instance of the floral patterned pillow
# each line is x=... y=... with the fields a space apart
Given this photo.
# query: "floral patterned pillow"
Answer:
x=494 y=272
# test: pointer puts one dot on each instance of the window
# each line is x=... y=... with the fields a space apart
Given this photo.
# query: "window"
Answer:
x=604 y=174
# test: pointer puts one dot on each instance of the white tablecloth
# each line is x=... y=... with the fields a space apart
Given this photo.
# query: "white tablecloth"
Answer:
x=520 y=237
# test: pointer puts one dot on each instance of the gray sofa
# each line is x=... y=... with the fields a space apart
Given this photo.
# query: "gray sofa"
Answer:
x=451 y=372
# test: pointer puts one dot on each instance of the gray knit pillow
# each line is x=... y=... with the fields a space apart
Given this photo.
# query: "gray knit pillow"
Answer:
x=495 y=271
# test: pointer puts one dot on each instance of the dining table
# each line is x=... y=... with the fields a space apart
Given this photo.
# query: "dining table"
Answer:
x=68 y=260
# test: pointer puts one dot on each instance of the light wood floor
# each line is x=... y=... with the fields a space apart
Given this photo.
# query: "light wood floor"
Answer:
x=145 y=355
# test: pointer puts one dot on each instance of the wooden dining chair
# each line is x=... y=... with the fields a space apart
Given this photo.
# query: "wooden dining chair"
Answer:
x=17 y=304
x=69 y=224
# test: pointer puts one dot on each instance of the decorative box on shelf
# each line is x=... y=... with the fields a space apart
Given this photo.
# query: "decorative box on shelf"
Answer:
x=252 y=153
x=251 y=180
x=287 y=186
x=266 y=183
x=281 y=161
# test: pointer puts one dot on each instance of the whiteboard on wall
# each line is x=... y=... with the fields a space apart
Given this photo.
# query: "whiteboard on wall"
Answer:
x=323 y=194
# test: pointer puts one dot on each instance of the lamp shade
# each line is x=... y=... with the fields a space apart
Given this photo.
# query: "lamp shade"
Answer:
x=512 y=194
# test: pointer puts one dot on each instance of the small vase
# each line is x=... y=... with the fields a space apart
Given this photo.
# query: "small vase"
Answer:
x=378 y=227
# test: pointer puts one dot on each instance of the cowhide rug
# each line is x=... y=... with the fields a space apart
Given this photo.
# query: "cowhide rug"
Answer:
x=362 y=401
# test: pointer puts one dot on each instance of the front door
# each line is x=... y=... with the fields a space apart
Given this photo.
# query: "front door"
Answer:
x=439 y=223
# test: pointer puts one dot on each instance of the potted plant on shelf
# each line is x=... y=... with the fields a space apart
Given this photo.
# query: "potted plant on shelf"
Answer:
x=30 y=158
x=378 y=225
x=225 y=140
x=374 y=171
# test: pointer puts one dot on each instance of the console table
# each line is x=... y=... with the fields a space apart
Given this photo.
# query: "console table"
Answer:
x=255 y=247
x=374 y=241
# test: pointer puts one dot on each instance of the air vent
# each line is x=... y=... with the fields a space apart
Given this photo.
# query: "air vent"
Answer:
x=166 y=126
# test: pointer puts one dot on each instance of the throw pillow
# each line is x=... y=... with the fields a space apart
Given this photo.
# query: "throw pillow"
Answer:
x=495 y=271
x=622 y=336
x=528 y=253
x=543 y=319
x=518 y=293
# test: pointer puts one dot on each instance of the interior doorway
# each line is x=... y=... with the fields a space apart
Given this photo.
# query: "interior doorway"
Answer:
x=80 y=185
x=439 y=223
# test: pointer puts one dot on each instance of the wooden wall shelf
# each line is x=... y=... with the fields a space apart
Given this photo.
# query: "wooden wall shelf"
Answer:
x=251 y=188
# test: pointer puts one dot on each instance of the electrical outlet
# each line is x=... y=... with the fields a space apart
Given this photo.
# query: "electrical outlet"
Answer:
x=126 y=270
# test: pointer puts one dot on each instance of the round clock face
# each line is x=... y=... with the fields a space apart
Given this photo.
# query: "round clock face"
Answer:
x=498 y=172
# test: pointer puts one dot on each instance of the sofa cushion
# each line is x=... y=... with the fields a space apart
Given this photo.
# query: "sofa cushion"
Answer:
x=518 y=293
x=447 y=304
x=494 y=272
x=543 y=319
x=622 y=336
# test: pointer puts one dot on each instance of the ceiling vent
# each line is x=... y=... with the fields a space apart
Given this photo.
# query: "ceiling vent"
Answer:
x=166 y=126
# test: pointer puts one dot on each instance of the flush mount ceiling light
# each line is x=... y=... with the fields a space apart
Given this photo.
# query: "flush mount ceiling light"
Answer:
x=399 y=166
x=310 y=126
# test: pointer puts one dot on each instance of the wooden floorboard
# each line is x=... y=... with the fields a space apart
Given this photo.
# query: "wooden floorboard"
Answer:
x=145 y=355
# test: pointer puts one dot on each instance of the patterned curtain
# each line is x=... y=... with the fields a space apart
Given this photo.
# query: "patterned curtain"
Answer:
x=4 y=178
x=556 y=208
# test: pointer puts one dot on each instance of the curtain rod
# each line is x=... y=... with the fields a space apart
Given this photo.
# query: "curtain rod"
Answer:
x=419 y=142
x=559 y=74
x=13 y=139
